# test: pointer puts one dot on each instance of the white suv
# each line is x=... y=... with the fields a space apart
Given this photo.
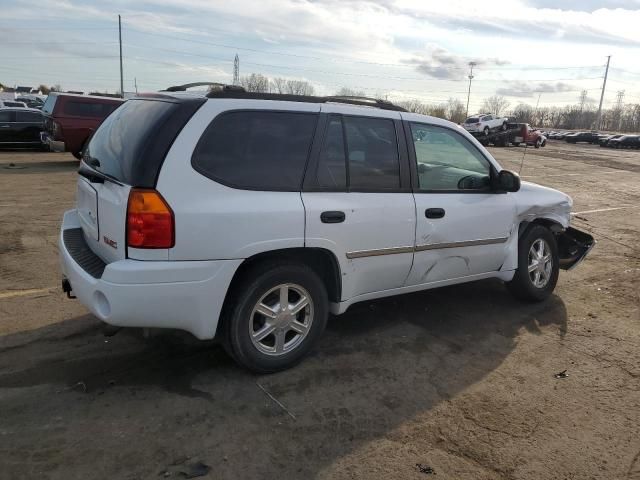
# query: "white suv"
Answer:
x=251 y=217
x=485 y=123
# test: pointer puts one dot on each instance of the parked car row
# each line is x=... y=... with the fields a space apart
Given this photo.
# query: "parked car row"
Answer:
x=620 y=141
x=64 y=121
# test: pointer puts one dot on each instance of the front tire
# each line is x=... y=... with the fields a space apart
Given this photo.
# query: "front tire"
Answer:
x=486 y=131
x=538 y=265
x=504 y=126
x=276 y=315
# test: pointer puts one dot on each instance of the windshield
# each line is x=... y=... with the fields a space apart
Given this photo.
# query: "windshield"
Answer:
x=117 y=146
x=49 y=104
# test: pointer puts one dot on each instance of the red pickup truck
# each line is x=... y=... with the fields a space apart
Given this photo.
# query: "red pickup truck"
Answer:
x=528 y=135
x=70 y=119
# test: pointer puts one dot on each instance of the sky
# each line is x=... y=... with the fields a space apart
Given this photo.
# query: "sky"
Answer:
x=529 y=51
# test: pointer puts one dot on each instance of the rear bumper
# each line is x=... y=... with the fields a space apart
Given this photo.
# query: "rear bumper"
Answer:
x=53 y=145
x=152 y=294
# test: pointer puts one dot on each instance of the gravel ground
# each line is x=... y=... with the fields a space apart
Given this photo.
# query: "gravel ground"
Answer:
x=454 y=383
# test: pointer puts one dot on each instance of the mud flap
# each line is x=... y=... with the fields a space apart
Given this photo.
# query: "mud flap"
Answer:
x=573 y=247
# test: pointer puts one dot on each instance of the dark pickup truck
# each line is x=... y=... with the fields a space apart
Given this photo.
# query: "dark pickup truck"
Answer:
x=20 y=127
x=70 y=120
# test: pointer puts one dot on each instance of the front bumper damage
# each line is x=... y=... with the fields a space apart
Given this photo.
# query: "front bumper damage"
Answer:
x=573 y=247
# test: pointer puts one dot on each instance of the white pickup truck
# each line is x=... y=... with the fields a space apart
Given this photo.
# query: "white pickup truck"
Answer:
x=485 y=123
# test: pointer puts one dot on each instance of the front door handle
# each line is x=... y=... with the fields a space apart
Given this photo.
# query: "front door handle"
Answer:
x=434 y=212
x=332 y=217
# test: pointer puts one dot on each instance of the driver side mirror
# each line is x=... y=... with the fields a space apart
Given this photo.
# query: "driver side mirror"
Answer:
x=507 y=181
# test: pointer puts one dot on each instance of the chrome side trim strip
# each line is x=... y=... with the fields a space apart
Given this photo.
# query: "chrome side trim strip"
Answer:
x=466 y=243
x=422 y=248
x=378 y=252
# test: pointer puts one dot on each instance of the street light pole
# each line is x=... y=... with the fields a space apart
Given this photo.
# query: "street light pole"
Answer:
x=471 y=64
x=604 y=84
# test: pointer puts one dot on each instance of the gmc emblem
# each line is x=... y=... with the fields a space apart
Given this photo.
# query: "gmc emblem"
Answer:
x=111 y=243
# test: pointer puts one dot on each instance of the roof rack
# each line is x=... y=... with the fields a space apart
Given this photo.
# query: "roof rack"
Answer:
x=221 y=86
x=239 y=92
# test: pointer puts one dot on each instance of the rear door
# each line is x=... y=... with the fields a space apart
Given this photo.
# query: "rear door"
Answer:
x=126 y=151
x=357 y=199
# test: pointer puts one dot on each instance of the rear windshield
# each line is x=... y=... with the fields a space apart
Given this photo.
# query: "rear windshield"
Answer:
x=472 y=120
x=119 y=143
x=49 y=104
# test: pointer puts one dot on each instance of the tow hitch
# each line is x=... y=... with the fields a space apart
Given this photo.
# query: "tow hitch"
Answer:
x=66 y=288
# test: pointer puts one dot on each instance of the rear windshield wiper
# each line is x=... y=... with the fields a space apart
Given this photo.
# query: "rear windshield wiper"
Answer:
x=96 y=176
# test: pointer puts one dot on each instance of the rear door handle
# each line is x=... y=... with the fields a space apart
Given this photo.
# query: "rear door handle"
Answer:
x=332 y=217
x=434 y=212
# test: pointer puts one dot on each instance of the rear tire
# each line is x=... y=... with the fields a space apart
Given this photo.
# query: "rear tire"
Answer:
x=538 y=265
x=538 y=143
x=258 y=332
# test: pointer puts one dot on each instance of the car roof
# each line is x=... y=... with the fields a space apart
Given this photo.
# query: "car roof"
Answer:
x=89 y=97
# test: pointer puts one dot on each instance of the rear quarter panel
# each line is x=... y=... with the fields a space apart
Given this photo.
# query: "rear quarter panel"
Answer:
x=215 y=222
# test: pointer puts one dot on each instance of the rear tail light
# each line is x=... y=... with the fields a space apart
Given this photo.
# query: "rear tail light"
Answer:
x=150 y=222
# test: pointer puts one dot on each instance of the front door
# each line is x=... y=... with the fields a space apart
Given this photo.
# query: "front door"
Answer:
x=462 y=225
x=358 y=202
x=6 y=126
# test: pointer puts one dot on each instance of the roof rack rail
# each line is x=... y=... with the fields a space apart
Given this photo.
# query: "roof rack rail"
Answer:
x=361 y=101
x=222 y=86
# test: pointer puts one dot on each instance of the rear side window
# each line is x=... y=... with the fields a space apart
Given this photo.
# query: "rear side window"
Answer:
x=85 y=109
x=360 y=153
x=258 y=150
x=118 y=146
x=31 y=117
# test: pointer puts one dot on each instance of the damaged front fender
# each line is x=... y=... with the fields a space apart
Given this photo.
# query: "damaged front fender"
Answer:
x=573 y=247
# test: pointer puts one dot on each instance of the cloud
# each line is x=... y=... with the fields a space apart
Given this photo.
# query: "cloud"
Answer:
x=526 y=89
x=441 y=64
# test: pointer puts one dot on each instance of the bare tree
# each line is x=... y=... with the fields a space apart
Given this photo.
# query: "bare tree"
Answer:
x=350 y=92
x=44 y=89
x=495 y=104
x=291 y=87
x=255 y=82
x=56 y=88
x=456 y=111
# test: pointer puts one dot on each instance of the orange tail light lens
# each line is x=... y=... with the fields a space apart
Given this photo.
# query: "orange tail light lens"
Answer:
x=150 y=222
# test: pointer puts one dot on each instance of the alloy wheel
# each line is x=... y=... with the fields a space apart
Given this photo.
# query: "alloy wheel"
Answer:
x=540 y=264
x=281 y=319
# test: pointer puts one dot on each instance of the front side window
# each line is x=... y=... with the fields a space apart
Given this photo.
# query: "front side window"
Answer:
x=259 y=150
x=5 y=116
x=447 y=161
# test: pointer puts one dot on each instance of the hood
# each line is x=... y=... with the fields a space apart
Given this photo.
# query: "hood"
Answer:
x=535 y=201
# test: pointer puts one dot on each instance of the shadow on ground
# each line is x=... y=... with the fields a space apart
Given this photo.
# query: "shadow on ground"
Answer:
x=71 y=398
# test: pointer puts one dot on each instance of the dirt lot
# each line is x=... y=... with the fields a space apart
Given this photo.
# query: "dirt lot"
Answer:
x=458 y=380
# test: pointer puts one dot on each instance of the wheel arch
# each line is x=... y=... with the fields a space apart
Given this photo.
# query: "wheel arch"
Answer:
x=322 y=261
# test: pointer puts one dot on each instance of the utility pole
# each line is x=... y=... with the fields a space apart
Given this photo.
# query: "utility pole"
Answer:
x=236 y=70
x=535 y=112
x=604 y=84
x=135 y=83
x=619 y=103
x=120 y=39
x=471 y=65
